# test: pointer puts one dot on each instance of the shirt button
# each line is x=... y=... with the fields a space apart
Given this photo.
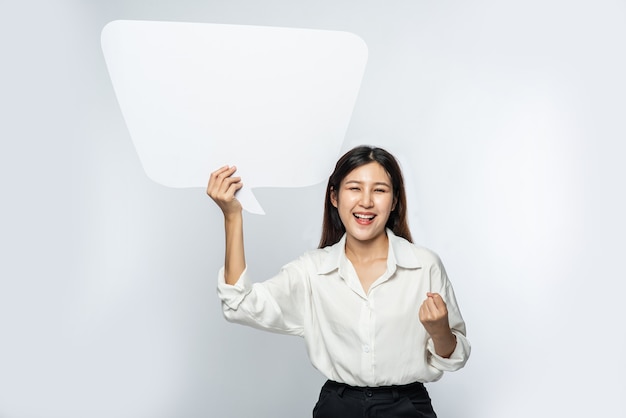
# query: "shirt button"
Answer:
x=366 y=349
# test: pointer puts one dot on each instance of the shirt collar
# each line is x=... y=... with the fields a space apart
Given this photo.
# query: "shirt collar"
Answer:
x=401 y=253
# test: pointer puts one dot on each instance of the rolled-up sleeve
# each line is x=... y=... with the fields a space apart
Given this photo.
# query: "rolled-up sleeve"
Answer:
x=276 y=305
x=232 y=295
x=457 y=359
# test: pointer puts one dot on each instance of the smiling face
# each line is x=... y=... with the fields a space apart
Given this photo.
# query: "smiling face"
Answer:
x=364 y=201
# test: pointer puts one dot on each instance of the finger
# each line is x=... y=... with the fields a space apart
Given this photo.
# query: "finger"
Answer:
x=220 y=170
x=428 y=309
x=229 y=193
x=430 y=299
x=221 y=173
x=228 y=172
x=226 y=175
x=230 y=185
x=441 y=304
x=437 y=299
x=423 y=314
x=426 y=315
x=436 y=310
x=217 y=179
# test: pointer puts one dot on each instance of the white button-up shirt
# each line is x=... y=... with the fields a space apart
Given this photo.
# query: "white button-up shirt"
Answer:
x=358 y=338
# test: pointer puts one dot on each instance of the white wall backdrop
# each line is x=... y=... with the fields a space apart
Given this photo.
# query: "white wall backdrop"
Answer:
x=508 y=118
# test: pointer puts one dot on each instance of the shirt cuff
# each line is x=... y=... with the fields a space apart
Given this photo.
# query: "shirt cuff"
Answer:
x=457 y=359
x=233 y=294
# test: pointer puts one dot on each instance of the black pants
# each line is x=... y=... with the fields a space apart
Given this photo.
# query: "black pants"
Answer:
x=338 y=400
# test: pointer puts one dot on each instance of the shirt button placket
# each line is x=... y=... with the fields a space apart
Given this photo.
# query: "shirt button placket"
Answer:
x=366 y=349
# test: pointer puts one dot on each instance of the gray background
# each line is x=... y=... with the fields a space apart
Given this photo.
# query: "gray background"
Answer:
x=508 y=118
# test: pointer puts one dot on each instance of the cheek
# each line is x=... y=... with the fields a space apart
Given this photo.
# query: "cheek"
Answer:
x=344 y=205
x=345 y=201
x=386 y=202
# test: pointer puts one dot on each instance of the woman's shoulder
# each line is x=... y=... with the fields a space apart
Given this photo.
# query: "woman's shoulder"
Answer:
x=418 y=253
x=320 y=254
x=321 y=260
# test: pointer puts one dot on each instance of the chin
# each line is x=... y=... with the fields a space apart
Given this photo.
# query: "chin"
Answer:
x=368 y=235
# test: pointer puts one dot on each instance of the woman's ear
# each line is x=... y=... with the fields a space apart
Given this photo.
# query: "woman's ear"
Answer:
x=395 y=202
x=333 y=196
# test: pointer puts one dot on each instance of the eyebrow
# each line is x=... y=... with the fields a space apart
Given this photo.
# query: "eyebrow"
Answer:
x=378 y=183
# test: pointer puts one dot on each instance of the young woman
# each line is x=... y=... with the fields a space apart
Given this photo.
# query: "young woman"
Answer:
x=377 y=313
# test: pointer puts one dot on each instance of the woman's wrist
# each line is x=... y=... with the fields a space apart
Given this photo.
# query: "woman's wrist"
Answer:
x=235 y=216
x=445 y=344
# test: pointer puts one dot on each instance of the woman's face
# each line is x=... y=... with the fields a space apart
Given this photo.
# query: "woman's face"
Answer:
x=364 y=202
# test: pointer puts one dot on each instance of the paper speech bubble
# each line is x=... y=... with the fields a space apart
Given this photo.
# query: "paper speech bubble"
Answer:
x=275 y=102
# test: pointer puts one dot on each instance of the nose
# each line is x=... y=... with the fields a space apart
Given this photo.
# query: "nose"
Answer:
x=366 y=200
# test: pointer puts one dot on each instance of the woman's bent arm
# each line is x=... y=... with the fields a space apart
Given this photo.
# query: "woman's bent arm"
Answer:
x=221 y=188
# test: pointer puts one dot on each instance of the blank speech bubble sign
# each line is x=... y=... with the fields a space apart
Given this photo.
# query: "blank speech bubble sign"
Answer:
x=275 y=102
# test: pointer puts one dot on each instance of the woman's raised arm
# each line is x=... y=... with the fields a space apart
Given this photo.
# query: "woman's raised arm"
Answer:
x=221 y=188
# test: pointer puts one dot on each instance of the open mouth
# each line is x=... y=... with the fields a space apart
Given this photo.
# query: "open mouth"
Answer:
x=364 y=218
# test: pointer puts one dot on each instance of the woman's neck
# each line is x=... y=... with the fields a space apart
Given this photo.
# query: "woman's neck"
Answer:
x=363 y=251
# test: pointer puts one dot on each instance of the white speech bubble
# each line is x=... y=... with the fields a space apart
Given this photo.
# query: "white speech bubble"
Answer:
x=275 y=102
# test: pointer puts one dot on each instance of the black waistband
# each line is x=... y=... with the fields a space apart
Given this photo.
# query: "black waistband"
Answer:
x=378 y=391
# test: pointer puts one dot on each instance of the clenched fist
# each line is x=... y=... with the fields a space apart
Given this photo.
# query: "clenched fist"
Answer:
x=433 y=315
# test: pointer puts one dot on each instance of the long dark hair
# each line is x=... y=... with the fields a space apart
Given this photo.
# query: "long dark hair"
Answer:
x=332 y=227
